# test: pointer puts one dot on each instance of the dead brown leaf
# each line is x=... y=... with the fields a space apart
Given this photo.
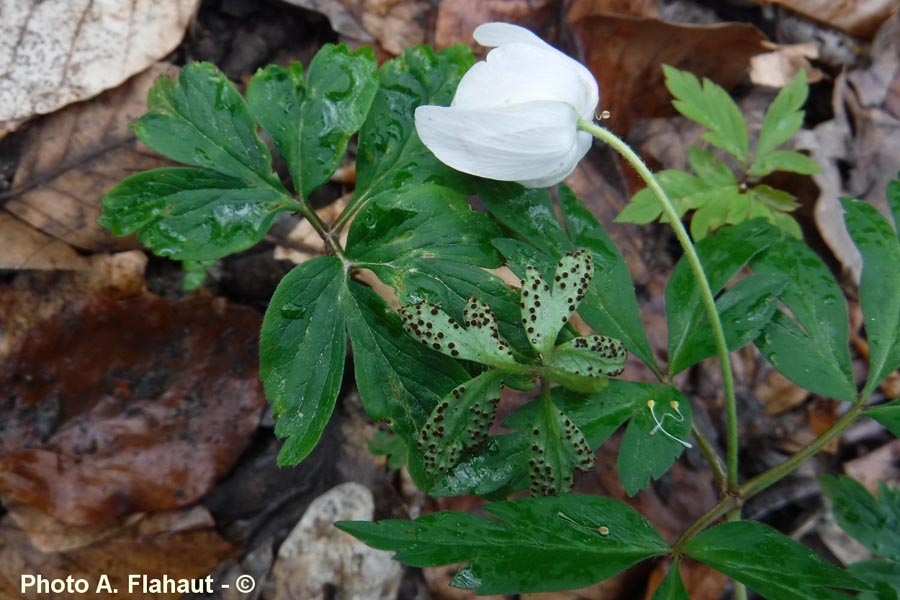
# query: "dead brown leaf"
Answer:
x=700 y=582
x=392 y=24
x=777 y=68
x=154 y=548
x=32 y=296
x=778 y=394
x=880 y=465
x=24 y=247
x=130 y=405
x=457 y=19
x=55 y=52
x=858 y=17
x=72 y=157
x=626 y=54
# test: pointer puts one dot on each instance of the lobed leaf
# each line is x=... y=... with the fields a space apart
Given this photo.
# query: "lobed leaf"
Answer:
x=879 y=287
x=770 y=563
x=888 y=415
x=711 y=106
x=577 y=541
x=812 y=348
x=191 y=214
x=301 y=353
x=721 y=257
x=459 y=421
x=875 y=522
x=557 y=448
x=498 y=468
x=311 y=121
x=671 y=587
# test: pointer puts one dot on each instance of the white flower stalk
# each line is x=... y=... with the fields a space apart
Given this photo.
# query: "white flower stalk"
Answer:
x=515 y=115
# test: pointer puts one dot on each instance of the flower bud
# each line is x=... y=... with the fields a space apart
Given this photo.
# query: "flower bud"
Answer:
x=515 y=115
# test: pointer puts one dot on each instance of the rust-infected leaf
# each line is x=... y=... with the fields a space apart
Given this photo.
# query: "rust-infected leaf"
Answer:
x=131 y=405
x=72 y=157
x=55 y=52
x=626 y=54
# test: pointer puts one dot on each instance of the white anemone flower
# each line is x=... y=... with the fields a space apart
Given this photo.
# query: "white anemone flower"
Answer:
x=515 y=115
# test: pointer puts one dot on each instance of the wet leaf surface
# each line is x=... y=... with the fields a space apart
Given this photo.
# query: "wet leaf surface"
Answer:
x=146 y=416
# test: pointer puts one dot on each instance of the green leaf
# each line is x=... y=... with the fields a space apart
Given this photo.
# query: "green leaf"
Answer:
x=783 y=160
x=671 y=587
x=195 y=272
x=648 y=449
x=879 y=287
x=191 y=214
x=744 y=310
x=301 y=353
x=421 y=222
x=708 y=168
x=770 y=563
x=390 y=154
x=721 y=256
x=558 y=448
x=546 y=307
x=888 y=415
x=882 y=575
x=561 y=534
x=643 y=208
x=589 y=356
x=498 y=467
x=893 y=197
x=460 y=421
x=812 y=348
x=784 y=116
x=311 y=122
x=202 y=120
x=715 y=209
x=528 y=213
x=711 y=106
x=609 y=306
x=875 y=522
x=685 y=190
x=384 y=443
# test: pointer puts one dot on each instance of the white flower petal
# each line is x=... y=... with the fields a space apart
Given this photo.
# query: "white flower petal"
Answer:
x=530 y=142
x=517 y=73
x=492 y=35
x=583 y=143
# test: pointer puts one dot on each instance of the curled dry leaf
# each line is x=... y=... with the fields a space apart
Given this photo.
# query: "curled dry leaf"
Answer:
x=72 y=157
x=24 y=247
x=55 y=52
x=625 y=55
x=131 y=405
x=777 y=68
x=858 y=17
x=392 y=24
x=316 y=554
x=178 y=546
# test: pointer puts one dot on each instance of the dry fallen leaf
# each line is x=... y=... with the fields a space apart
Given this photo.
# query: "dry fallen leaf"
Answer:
x=55 y=52
x=457 y=19
x=879 y=465
x=130 y=405
x=626 y=54
x=859 y=17
x=778 y=394
x=72 y=157
x=700 y=582
x=24 y=247
x=393 y=24
x=777 y=68
x=32 y=296
x=316 y=554
x=158 y=546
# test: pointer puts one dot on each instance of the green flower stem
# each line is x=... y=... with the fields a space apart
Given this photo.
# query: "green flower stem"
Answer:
x=328 y=235
x=712 y=457
x=732 y=502
x=706 y=294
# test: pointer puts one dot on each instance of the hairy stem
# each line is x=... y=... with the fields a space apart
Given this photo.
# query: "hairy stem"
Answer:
x=706 y=295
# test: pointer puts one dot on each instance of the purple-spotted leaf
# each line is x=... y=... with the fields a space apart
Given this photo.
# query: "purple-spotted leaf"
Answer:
x=545 y=307
x=478 y=341
x=557 y=448
x=460 y=421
